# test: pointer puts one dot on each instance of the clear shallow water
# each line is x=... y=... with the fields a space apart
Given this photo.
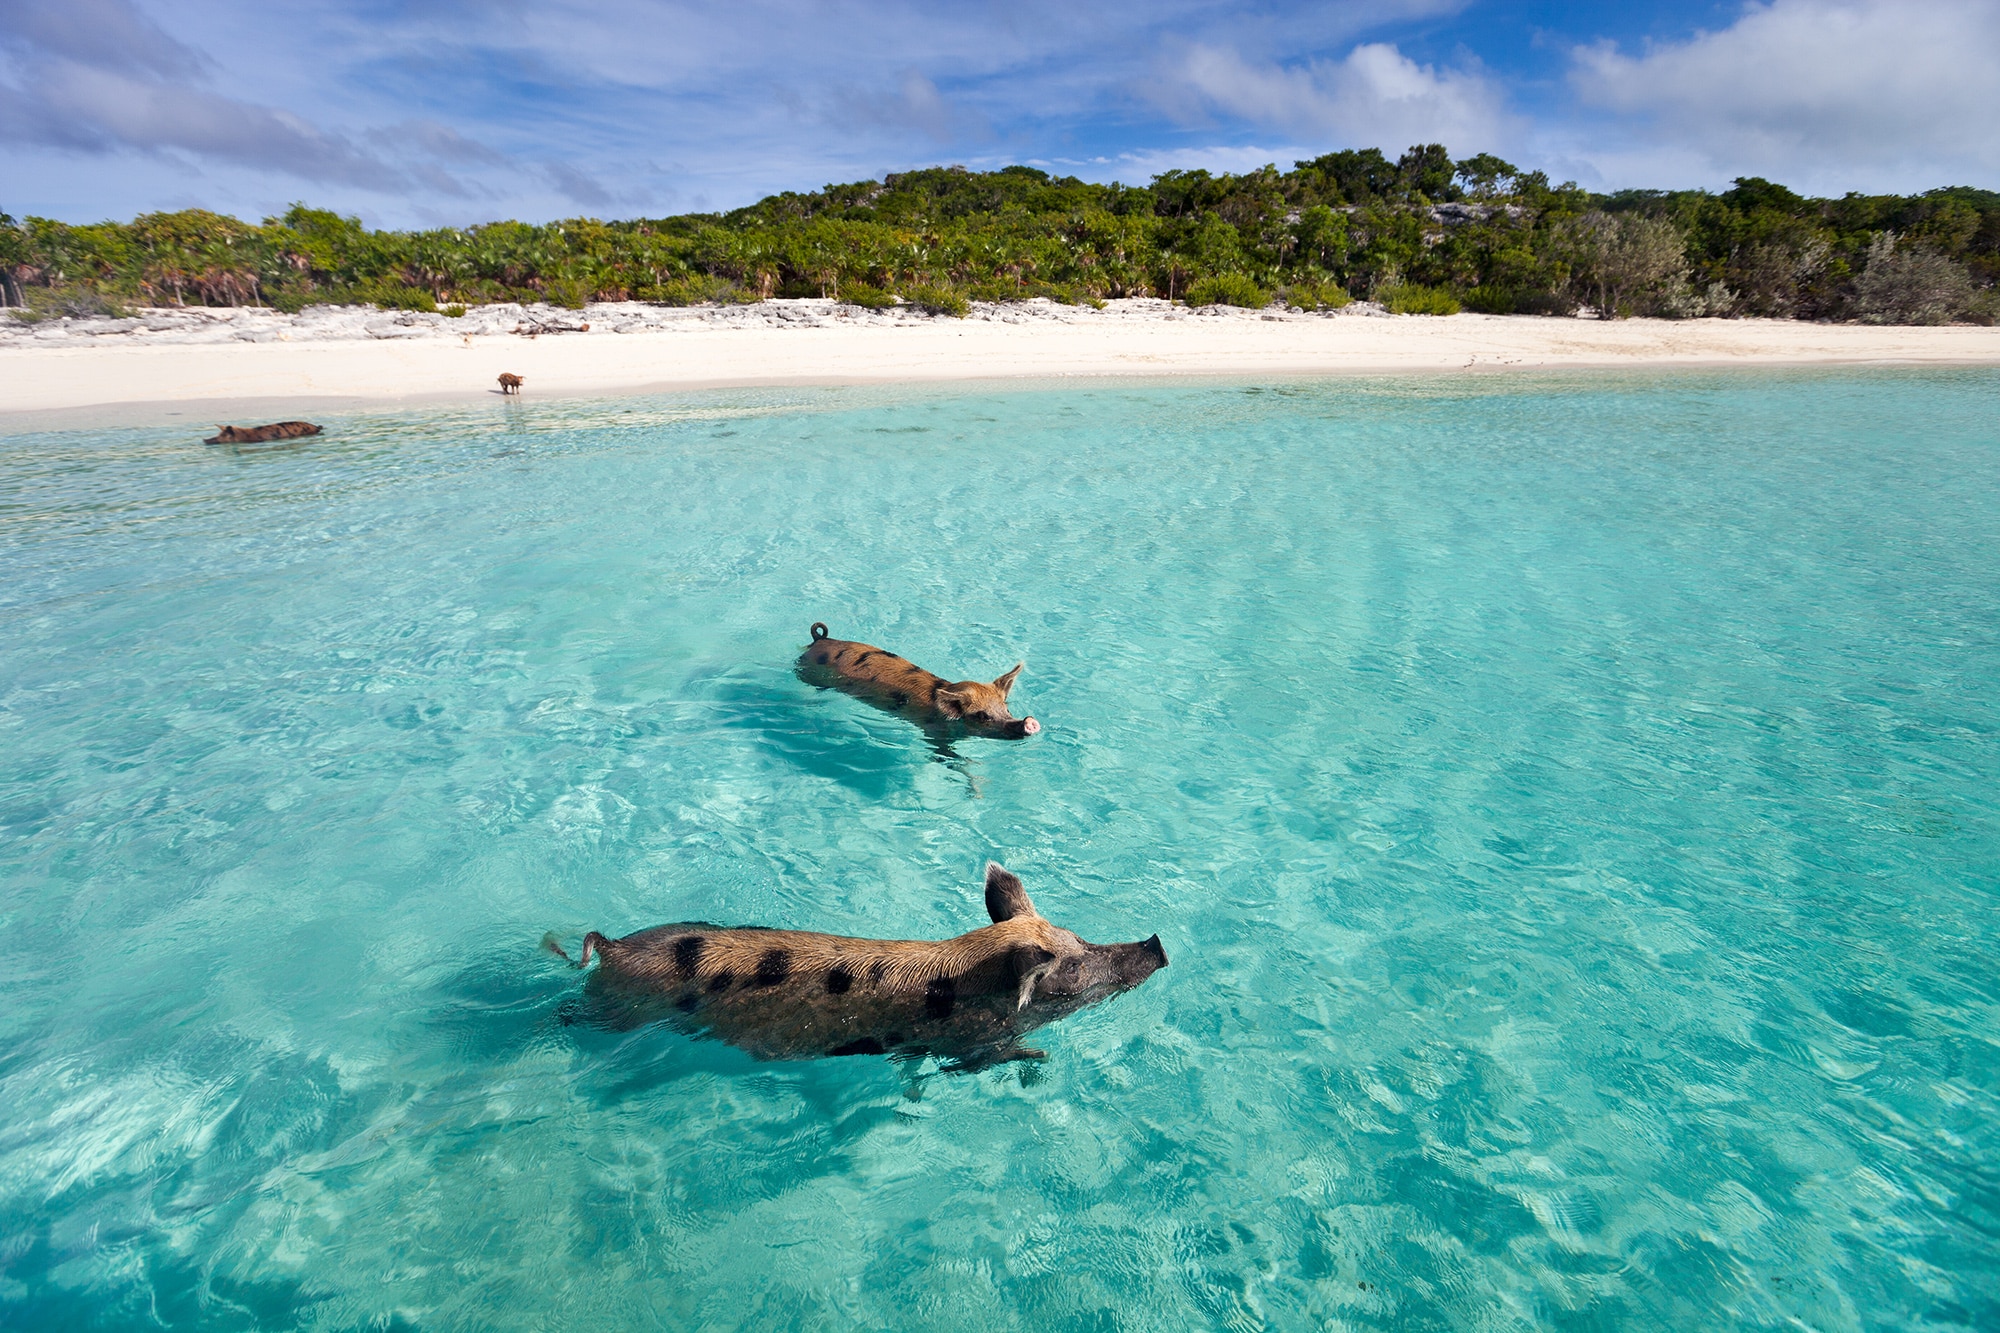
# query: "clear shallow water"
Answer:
x=1569 y=805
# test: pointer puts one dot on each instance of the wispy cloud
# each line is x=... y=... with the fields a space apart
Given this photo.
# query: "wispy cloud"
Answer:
x=422 y=111
x=1835 y=93
x=98 y=76
x=1374 y=96
x=580 y=187
x=100 y=34
x=67 y=105
x=914 y=103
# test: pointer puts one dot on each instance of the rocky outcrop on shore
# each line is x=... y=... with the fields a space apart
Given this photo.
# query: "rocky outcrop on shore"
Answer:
x=183 y=325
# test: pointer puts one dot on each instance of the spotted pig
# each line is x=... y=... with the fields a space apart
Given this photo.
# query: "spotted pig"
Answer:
x=796 y=995
x=903 y=687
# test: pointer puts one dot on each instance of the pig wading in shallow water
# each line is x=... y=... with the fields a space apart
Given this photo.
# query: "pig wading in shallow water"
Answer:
x=903 y=687
x=797 y=995
x=277 y=430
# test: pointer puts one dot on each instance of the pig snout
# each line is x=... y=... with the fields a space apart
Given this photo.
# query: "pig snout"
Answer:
x=1025 y=726
x=1144 y=960
x=1133 y=963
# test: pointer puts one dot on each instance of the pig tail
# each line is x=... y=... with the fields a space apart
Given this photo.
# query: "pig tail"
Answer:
x=591 y=942
x=818 y=630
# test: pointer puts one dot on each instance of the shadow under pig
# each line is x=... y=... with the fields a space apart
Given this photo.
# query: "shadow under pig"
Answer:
x=825 y=735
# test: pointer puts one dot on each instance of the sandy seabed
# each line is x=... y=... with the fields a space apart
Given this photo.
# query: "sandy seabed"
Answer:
x=243 y=364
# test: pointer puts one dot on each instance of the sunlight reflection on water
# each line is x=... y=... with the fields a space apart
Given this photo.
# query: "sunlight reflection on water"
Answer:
x=1568 y=803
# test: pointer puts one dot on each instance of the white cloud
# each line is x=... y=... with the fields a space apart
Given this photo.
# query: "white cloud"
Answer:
x=916 y=104
x=419 y=111
x=79 y=106
x=1828 y=94
x=98 y=76
x=107 y=34
x=1375 y=97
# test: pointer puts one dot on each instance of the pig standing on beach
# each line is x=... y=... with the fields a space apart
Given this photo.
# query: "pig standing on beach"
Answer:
x=903 y=687
x=796 y=995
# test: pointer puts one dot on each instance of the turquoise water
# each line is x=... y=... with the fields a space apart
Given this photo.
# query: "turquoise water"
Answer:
x=1571 y=807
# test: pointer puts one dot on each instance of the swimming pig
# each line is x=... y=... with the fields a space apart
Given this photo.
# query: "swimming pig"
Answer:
x=277 y=430
x=796 y=995
x=901 y=686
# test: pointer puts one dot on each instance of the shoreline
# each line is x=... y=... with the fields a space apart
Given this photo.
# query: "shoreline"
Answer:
x=243 y=364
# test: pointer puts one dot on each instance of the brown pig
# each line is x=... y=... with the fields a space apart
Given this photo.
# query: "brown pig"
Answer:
x=279 y=430
x=901 y=686
x=796 y=995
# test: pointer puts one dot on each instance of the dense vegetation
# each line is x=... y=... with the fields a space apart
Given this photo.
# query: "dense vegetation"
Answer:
x=1423 y=234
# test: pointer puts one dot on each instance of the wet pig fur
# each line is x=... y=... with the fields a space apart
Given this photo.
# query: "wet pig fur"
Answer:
x=277 y=430
x=797 y=995
x=903 y=687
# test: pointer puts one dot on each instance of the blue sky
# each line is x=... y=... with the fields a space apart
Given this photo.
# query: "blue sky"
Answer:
x=429 y=112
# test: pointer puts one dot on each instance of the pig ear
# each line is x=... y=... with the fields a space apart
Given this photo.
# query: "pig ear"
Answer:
x=949 y=702
x=1005 y=898
x=1006 y=682
x=1031 y=963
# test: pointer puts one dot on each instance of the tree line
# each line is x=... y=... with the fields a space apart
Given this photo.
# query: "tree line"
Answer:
x=1424 y=233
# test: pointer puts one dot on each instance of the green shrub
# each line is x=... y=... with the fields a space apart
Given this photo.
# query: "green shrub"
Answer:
x=403 y=298
x=453 y=312
x=1412 y=298
x=1314 y=295
x=485 y=291
x=1550 y=304
x=866 y=295
x=290 y=302
x=1064 y=293
x=1685 y=300
x=1228 y=289
x=937 y=301
x=696 y=289
x=72 y=301
x=569 y=293
x=1489 y=300
x=1909 y=285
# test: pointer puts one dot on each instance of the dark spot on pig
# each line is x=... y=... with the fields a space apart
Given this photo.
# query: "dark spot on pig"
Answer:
x=900 y=698
x=773 y=966
x=838 y=980
x=863 y=658
x=940 y=998
x=822 y=659
x=687 y=953
x=688 y=1003
x=859 y=1046
x=721 y=982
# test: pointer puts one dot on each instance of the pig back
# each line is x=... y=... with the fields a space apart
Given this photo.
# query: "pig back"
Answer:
x=867 y=671
x=796 y=995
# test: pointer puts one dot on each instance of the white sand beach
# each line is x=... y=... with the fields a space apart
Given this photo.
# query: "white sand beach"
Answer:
x=251 y=362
